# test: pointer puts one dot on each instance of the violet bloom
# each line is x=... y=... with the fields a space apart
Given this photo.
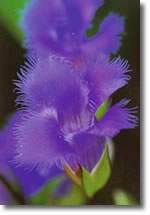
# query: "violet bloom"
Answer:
x=59 y=124
x=29 y=181
x=59 y=27
x=5 y=196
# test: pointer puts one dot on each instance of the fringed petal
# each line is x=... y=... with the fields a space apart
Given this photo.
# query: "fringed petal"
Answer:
x=40 y=143
x=57 y=26
x=30 y=181
x=108 y=40
x=53 y=82
x=118 y=117
x=104 y=78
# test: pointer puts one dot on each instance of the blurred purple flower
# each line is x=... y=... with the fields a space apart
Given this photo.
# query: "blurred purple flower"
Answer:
x=59 y=124
x=30 y=181
x=5 y=196
x=59 y=27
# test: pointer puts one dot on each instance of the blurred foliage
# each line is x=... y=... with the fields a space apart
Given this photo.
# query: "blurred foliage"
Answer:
x=43 y=196
x=10 y=12
x=122 y=197
x=46 y=196
x=75 y=197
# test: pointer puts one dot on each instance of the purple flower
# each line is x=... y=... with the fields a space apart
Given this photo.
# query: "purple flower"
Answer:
x=5 y=196
x=59 y=27
x=30 y=181
x=5 y=169
x=59 y=125
x=59 y=92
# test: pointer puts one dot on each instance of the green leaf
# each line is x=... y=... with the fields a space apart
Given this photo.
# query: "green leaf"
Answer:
x=74 y=197
x=10 y=16
x=99 y=176
x=102 y=110
x=122 y=197
x=43 y=197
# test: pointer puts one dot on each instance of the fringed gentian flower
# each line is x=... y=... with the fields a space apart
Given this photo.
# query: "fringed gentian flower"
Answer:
x=29 y=181
x=59 y=125
x=59 y=97
x=59 y=27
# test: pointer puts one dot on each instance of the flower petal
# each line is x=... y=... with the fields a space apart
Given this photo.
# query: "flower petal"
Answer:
x=57 y=26
x=87 y=9
x=40 y=132
x=117 y=118
x=108 y=39
x=6 y=149
x=5 y=196
x=30 y=181
x=104 y=78
x=53 y=82
x=89 y=148
x=5 y=171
